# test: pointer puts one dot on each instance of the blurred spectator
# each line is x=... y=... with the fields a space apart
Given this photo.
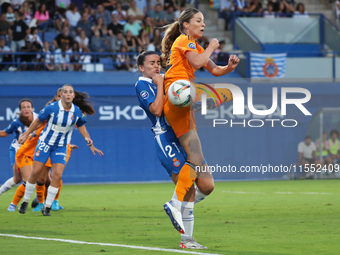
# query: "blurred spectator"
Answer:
x=115 y=27
x=85 y=59
x=4 y=25
x=307 y=155
x=63 y=38
x=62 y=58
x=130 y=42
x=333 y=146
x=169 y=15
x=4 y=48
x=142 y=4
x=218 y=56
x=151 y=46
x=121 y=14
x=99 y=26
x=10 y=17
x=326 y=159
x=62 y=3
x=153 y=3
x=123 y=60
x=60 y=21
x=135 y=11
x=168 y=3
x=90 y=14
x=143 y=39
x=337 y=9
x=27 y=59
x=283 y=7
x=179 y=11
x=226 y=9
x=33 y=37
x=82 y=40
x=300 y=11
x=281 y=12
x=16 y=4
x=73 y=15
x=241 y=6
x=132 y=26
x=269 y=12
x=98 y=43
x=42 y=17
x=75 y=58
x=19 y=34
x=104 y=14
x=85 y=24
x=255 y=7
x=157 y=15
x=26 y=10
x=149 y=26
x=157 y=39
x=47 y=58
x=108 y=4
x=116 y=42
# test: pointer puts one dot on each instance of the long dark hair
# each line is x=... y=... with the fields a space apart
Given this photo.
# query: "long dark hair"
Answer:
x=142 y=55
x=173 y=30
x=80 y=100
x=24 y=120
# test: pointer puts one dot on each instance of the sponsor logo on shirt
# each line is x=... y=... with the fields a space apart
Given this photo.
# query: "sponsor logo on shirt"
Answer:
x=192 y=46
x=144 y=94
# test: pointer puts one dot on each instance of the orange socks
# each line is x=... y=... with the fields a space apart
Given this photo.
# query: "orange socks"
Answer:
x=41 y=192
x=20 y=192
x=186 y=178
x=60 y=185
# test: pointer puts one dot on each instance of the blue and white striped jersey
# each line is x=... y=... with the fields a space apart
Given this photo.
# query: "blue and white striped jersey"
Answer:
x=60 y=123
x=146 y=93
x=18 y=128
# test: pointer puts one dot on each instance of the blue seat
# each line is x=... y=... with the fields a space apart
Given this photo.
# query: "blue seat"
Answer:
x=107 y=62
x=49 y=36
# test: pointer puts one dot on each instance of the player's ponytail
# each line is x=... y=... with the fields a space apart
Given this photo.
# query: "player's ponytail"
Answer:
x=172 y=31
x=80 y=100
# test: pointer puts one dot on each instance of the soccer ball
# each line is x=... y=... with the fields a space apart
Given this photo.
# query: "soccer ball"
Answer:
x=182 y=93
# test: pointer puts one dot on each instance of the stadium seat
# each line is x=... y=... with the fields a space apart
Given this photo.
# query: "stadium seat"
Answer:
x=49 y=36
x=107 y=62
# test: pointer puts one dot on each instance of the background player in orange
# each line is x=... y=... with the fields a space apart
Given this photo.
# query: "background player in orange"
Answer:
x=18 y=126
x=183 y=56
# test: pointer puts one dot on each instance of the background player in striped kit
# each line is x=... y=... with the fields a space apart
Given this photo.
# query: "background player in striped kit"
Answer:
x=18 y=126
x=62 y=117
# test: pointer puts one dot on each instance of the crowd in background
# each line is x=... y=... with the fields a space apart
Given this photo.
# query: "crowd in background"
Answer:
x=82 y=27
x=274 y=8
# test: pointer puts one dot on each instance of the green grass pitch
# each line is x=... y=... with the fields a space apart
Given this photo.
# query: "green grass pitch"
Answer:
x=245 y=218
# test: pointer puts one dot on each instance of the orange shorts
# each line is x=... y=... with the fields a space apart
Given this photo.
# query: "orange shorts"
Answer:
x=181 y=119
x=23 y=161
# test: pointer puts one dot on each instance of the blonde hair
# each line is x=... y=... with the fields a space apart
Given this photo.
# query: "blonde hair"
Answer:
x=172 y=31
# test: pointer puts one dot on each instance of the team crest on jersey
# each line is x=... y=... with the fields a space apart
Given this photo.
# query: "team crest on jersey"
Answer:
x=192 y=46
x=72 y=118
x=37 y=154
x=176 y=162
x=144 y=94
x=43 y=110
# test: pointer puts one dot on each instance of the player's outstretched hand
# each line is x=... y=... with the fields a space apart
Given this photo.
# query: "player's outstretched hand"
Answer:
x=233 y=62
x=22 y=138
x=94 y=150
x=89 y=141
x=158 y=79
x=73 y=147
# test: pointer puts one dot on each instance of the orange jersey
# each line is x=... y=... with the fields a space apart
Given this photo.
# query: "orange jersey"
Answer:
x=28 y=147
x=178 y=66
x=182 y=120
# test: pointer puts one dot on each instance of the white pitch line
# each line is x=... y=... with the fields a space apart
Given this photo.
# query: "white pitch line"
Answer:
x=110 y=244
x=278 y=193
